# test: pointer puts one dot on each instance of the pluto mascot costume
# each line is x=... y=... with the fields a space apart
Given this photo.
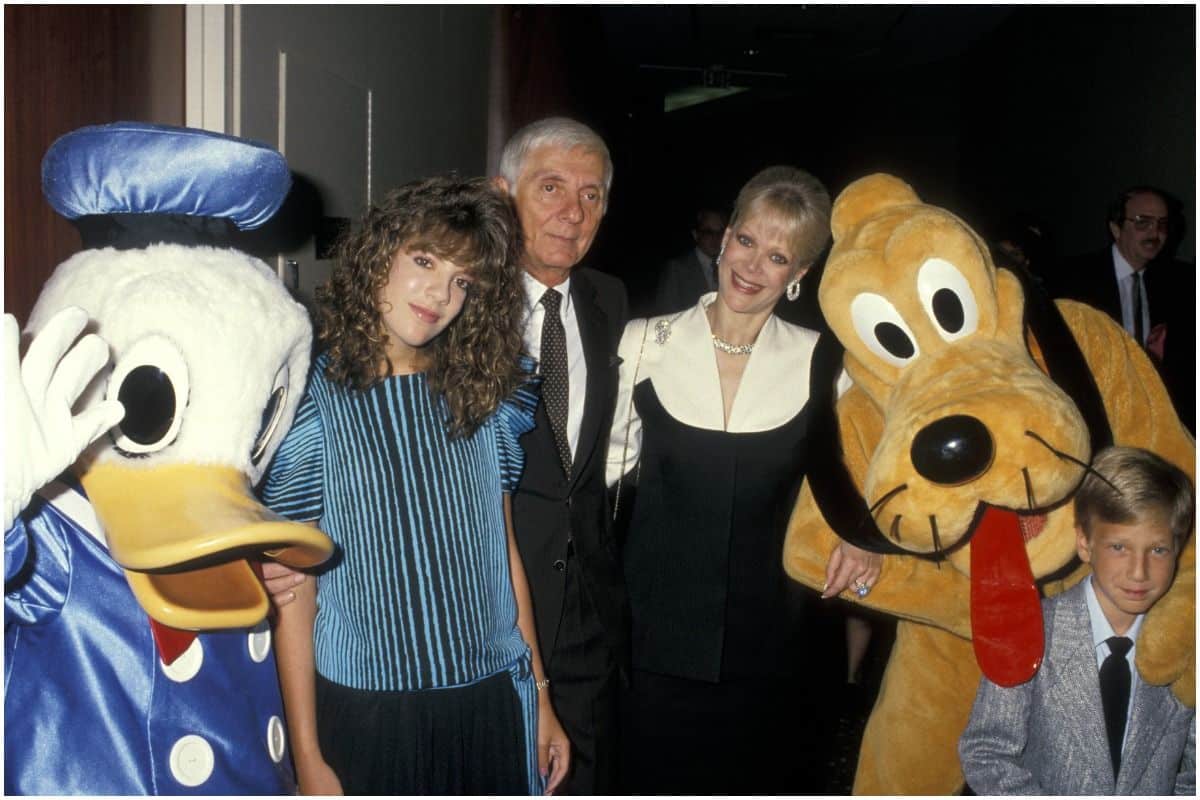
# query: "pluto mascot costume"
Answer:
x=975 y=408
x=137 y=655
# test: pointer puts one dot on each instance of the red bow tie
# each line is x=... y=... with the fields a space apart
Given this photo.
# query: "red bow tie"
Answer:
x=171 y=642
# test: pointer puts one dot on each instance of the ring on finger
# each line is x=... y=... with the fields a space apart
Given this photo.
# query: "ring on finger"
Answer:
x=861 y=589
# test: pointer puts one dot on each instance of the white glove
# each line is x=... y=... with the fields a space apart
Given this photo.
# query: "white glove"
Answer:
x=41 y=436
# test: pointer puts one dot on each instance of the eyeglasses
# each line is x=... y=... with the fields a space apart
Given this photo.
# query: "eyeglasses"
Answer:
x=1144 y=222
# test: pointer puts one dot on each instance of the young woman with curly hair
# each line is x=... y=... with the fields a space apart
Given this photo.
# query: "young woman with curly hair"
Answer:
x=417 y=671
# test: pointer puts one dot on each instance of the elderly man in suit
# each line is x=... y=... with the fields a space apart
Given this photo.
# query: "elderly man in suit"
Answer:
x=1139 y=286
x=683 y=279
x=558 y=173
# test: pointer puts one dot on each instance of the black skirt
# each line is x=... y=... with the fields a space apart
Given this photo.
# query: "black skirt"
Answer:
x=738 y=737
x=461 y=740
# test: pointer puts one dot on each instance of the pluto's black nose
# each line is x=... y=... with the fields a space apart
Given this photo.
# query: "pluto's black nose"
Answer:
x=952 y=450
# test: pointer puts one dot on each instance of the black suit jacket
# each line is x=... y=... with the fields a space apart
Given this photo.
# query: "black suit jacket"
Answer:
x=549 y=506
x=680 y=284
x=1091 y=279
x=1170 y=288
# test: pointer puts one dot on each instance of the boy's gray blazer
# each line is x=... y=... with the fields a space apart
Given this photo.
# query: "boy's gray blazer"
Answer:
x=1047 y=736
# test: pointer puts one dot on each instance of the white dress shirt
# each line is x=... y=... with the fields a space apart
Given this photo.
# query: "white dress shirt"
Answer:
x=535 y=313
x=1101 y=631
x=1124 y=272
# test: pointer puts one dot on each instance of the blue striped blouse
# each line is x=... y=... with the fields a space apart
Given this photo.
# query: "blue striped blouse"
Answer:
x=421 y=596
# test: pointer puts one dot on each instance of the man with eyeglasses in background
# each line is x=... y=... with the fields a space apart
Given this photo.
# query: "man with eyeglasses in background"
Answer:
x=682 y=280
x=1142 y=287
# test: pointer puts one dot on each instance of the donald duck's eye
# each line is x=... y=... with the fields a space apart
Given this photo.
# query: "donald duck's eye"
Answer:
x=149 y=401
x=882 y=329
x=271 y=415
x=151 y=381
x=948 y=300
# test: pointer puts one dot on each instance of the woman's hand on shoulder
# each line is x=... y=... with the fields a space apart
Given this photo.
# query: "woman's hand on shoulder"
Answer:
x=280 y=582
x=853 y=568
x=554 y=748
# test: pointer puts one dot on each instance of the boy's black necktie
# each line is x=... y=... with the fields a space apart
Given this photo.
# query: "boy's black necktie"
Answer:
x=1114 y=695
x=555 y=386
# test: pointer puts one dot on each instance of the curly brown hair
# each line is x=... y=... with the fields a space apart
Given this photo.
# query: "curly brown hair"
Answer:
x=473 y=363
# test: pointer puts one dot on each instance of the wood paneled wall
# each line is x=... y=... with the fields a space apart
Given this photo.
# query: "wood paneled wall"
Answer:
x=65 y=67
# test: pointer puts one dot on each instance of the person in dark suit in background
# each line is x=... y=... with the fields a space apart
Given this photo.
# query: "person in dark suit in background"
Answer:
x=558 y=173
x=1140 y=286
x=684 y=278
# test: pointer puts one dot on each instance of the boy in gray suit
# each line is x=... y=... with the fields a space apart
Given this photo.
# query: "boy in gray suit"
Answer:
x=1086 y=723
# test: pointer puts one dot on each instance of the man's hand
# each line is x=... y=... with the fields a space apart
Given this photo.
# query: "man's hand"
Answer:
x=42 y=435
x=1156 y=341
x=554 y=748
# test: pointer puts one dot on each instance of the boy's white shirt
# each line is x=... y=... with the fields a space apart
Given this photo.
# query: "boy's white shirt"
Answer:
x=1101 y=632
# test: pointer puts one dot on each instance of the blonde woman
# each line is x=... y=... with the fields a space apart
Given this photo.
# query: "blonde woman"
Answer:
x=712 y=404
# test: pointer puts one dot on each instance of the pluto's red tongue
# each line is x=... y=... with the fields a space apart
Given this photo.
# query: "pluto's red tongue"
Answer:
x=1006 y=614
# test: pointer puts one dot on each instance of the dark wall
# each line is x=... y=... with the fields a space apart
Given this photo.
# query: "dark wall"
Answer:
x=1072 y=104
x=65 y=67
x=837 y=127
x=1045 y=115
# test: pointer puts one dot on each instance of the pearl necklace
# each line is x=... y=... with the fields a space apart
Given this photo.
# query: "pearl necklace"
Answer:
x=732 y=349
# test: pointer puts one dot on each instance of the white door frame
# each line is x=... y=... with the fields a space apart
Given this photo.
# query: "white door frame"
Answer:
x=205 y=52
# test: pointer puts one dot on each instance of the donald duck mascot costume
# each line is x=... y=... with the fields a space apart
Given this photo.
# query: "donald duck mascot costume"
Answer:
x=138 y=655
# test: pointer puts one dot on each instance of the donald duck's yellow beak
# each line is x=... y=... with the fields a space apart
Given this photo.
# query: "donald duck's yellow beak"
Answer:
x=183 y=534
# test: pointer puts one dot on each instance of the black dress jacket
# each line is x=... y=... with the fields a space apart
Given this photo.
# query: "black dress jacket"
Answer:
x=551 y=509
x=703 y=556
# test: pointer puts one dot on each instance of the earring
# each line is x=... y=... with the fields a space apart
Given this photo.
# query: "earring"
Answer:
x=717 y=260
x=793 y=290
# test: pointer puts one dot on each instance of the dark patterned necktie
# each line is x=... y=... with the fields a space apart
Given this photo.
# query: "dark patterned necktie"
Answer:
x=1114 y=695
x=1138 y=332
x=555 y=387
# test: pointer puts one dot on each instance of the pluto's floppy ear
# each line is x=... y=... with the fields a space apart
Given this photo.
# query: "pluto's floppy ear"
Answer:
x=865 y=197
x=1064 y=360
x=833 y=488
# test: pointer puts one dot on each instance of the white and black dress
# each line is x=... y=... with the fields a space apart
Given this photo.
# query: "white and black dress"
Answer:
x=717 y=690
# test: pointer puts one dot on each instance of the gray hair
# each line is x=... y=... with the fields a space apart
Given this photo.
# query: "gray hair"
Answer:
x=560 y=132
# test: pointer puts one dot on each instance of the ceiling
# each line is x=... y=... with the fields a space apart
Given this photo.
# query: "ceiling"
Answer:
x=779 y=46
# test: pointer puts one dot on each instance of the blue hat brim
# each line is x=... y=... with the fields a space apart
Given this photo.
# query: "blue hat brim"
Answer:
x=140 y=168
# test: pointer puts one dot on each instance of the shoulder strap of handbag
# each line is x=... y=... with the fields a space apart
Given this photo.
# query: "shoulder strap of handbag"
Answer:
x=628 y=422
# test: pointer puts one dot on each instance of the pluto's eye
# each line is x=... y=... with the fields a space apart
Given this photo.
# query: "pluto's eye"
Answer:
x=882 y=329
x=948 y=299
x=151 y=381
x=271 y=414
